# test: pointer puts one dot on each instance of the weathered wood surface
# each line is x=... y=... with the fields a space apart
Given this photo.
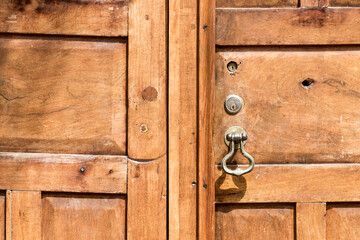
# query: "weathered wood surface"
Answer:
x=85 y=216
x=23 y=215
x=147 y=80
x=286 y=121
x=255 y=221
x=71 y=17
x=344 y=3
x=206 y=84
x=63 y=173
x=183 y=119
x=2 y=216
x=296 y=26
x=290 y=183
x=256 y=3
x=146 y=200
x=62 y=96
x=310 y=221
x=342 y=221
x=314 y=3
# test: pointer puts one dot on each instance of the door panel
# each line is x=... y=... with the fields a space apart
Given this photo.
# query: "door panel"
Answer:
x=294 y=26
x=254 y=221
x=256 y=3
x=62 y=96
x=300 y=105
x=105 y=216
x=72 y=17
x=344 y=3
x=23 y=216
x=342 y=220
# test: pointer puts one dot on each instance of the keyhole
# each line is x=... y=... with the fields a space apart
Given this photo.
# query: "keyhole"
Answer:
x=233 y=106
x=232 y=66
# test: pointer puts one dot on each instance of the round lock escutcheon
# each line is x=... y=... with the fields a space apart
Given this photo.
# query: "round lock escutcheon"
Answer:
x=233 y=104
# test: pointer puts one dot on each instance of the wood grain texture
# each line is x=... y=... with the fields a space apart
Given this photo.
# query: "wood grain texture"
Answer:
x=314 y=3
x=62 y=96
x=72 y=17
x=53 y=172
x=256 y=3
x=287 y=122
x=310 y=221
x=344 y=3
x=147 y=126
x=206 y=84
x=182 y=119
x=255 y=221
x=290 y=183
x=86 y=216
x=297 y=26
x=23 y=215
x=146 y=200
x=342 y=221
x=2 y=215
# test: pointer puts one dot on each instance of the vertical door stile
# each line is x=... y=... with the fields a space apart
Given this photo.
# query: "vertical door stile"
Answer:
x=147 y=120
x=206 y=201
x=182 y=119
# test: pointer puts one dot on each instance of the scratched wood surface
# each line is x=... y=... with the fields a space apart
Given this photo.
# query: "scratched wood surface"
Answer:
x=342 y=221
x=310 y=221
x=290 y=183
x=23 y=215
x=301 y=105
x=295 y=26
x=256 y=3
x=83 y=216
x=147 y=80
x=62 y=96
x=255 y=221
x=2 y=216
x=57 y=172
x=147 y=200
x=183 y=127
x=344 y=3
x=72 y=17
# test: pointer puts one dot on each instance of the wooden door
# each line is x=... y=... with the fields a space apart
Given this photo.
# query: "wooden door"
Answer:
x=82 y=122
x=296 y=65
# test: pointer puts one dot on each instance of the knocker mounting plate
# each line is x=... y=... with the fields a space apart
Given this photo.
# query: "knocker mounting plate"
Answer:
x=234 y=129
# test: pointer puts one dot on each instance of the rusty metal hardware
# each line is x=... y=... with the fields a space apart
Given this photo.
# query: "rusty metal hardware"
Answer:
x=235 y=138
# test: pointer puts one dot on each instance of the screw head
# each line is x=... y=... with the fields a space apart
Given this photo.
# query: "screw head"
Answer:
x=143 y=128
x=82 y=169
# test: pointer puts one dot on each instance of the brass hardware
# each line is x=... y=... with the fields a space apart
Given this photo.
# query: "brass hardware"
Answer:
x=235 y=138
x=233 y=104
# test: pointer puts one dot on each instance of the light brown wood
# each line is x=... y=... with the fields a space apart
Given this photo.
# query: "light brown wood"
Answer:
x=256 y=3
x=8 y=215
x=147 y=71
x=146 y=200
x=342 y=220
x=73 y=17
x=297 y=26
x=287 y=122
x=344 y=3
x=24 y=221
x=62 y=96
x=2 y=216
x=314 y=3
x=206 y=81
x=310 y=221
x=85 y=216
x=256 y=221
x=291 y=183
x=182 y=119
x=56 y=172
